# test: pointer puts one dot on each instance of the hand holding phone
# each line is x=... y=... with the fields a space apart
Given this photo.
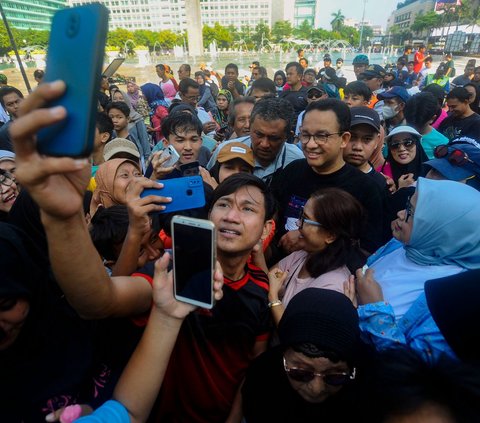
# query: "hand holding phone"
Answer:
x=75 y=55
x=194 y=256
x=170 y=155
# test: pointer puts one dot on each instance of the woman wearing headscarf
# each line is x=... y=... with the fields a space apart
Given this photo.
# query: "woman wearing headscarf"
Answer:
x=224 y=100
x=136 y=99
x=280 y=79
x=206 y=97
x=9 y=189
x=437 y=235
x=112 y=179
x=158 y=108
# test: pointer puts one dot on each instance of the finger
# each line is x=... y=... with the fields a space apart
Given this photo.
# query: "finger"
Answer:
x=41 y=95
x=359 y=274
x=155 y=199
x=54 y=416
x=161 y=268
x=23 y=130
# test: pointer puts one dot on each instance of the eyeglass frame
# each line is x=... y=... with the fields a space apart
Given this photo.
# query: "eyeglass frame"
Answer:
x=302 y=220
x=409 y=210
x=449 y=156
x=351 y=375
x=322 y=93
x=7 y=176
x=324 y=137
x=396 y=145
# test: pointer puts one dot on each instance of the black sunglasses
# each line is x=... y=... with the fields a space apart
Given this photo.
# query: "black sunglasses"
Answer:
x=305 y=376
x=407 y=143
x=315 y=94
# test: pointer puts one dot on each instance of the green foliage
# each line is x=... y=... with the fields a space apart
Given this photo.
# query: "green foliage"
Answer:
x=218 y=33
x=337 y=21
x=261 y=35
x=426 y=22
x=281 y=30
x=304 y=31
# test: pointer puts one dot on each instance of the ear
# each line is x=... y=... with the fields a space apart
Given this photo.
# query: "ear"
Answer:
x=267 y=228
x=345 y=139
x=104 y=137
x=330 y=238
x=165 y=143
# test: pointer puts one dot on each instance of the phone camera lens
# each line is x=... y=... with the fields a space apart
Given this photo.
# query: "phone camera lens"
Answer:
x=189 y=192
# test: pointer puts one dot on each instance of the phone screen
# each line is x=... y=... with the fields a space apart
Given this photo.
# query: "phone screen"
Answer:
x=192 y=262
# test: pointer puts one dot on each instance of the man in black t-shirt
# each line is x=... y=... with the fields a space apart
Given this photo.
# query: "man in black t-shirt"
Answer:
x=231 y=83
x=324 y=135
x=296 y=95
x=462 y=122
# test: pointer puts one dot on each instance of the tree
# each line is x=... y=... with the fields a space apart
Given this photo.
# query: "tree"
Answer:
x=337 y=21
x=425 y=22
x=218 y=33
x=118 y=37
x=304 y=31
x=261 y=35
x=145 y=37
x=281 y=30
x=169 y=39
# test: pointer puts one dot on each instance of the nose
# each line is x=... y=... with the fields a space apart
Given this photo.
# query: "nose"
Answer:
x=316 y=386
x=187 y=146
x=247 y=123
x=232 y=215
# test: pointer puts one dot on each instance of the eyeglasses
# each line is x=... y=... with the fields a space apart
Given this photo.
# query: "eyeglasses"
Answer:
x=6 y=178
x=406 y=143
x=456 y=157
x=317 y=94
x=192 y=97
x=317 y=138
x=409 y=210
x=306 y=376
x=301 y=220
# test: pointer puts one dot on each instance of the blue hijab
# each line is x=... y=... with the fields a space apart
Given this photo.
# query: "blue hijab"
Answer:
x=446 y=228
x=154 y=95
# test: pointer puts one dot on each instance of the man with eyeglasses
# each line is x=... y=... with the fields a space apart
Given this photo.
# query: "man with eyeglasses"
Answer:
x=312 y=374
x=189 y=92
x=10 y=99
x=324 y=135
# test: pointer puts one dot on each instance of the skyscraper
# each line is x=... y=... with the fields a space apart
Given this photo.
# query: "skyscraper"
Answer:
x=25 y=14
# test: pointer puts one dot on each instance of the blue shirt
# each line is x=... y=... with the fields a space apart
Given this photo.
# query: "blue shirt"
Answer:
x=110 y=412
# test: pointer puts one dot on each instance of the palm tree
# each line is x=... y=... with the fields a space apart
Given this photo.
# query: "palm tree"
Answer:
x=337 y=21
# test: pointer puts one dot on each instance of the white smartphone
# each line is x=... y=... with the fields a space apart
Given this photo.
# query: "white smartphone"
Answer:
x=172 y=155
x=194 y=255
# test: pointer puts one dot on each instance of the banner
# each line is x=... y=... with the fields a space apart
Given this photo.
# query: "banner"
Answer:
x=441 y=6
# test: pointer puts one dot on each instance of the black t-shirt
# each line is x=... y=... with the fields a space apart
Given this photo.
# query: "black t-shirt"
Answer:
x=268 y=397
x=453 y=127
x=298 y=99
x=293 y=186
x=5 y=141
x=378 y=178
x=238 y=85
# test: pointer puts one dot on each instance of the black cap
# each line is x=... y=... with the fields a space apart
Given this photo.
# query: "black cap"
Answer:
x=365 y=115
x=374 y=71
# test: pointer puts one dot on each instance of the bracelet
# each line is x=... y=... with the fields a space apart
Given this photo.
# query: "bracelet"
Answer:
x=274 y=303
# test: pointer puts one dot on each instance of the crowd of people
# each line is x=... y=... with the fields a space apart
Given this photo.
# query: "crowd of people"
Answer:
x=347 y=245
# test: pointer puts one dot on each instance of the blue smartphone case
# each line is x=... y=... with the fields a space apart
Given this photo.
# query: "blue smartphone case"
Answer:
x=75 y=55
x=187 y=193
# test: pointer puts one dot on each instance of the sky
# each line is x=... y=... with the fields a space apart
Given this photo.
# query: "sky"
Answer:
x=376 y=11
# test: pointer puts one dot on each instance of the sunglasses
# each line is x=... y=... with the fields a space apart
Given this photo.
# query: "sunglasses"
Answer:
x=408 y=143
x=317 y=94
x=306 y=376
x=456 y=157
x=409 y=210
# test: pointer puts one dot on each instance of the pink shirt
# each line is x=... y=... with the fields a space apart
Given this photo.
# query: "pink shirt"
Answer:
x=168 y=89
x=293 y=285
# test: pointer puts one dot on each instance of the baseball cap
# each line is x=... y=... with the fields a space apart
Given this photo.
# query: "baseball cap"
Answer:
x=361 y=59
x=120 y=145
x=459 y=172
x=327 y=57
x=7 y=155
x=236 y=150
x=402 y=129
x=365 y=115
x=400 y=92
x=374 y=71
x=329 y=74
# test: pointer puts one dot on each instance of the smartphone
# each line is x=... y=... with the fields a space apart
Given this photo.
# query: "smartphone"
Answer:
x=190 y=169
x=194 y=254
x=75 y=55
x=186 y=192
x=172 y=155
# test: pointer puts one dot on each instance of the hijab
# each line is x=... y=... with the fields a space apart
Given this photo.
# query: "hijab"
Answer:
x=284 y=77
x=222 y=115
x=105 y=178
x=445 y=225
x=415 y=166
x=135 y=96
x=134 y=115
x=154 y=96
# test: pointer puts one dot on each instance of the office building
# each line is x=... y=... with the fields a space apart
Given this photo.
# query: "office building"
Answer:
x=28 y=14
x=403 y=17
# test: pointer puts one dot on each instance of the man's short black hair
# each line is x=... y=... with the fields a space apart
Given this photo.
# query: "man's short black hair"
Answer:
x=459 y=93
x=341 y=110
x=187 y=67
x=119 y=105
x=232 y=66
x=270 y=109
x=187 y=83
x=239 y=180
x=296 y=65
x=411 y=62
x=9 y=90
x=264 y=84
x=263 y=72
x=256 y=63
x=160 y=66
x=233 y=106
x=358 y=88
x=428 y=59
x=420 y=109
x=437 y=91
x=39 y=73
x=104 y=124
x=299 y=50
x=177 y=122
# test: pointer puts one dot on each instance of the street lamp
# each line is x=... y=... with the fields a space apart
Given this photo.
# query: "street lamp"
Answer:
x=361 y=23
